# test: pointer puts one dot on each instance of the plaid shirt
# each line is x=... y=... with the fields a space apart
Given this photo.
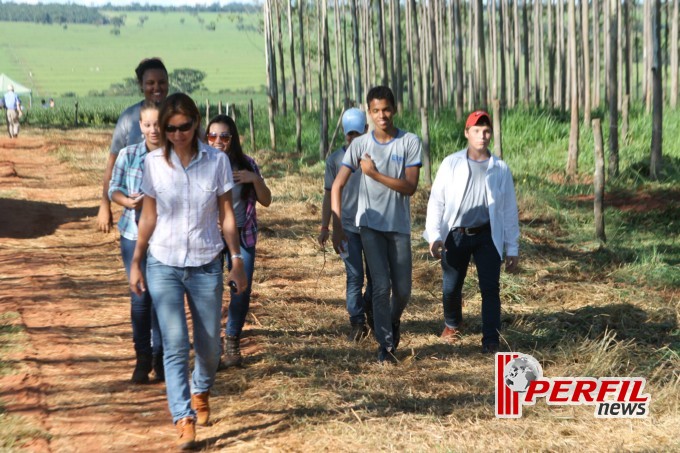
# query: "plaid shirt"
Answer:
x=127 y=178
x=249 y=229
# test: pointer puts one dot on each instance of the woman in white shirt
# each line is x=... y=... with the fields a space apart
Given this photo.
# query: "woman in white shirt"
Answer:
x=187 y=187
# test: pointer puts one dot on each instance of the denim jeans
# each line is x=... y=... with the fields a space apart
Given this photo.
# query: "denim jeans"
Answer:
x=459 y=249
x=357 y=304
x=239 y=304
x=388 y=255
x=203 y=288
x=142 y=313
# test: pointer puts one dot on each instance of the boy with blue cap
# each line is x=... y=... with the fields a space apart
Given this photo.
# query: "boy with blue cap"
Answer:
x=358 y=306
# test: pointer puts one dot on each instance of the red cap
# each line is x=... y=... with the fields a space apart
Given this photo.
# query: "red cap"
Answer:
x=476 y=117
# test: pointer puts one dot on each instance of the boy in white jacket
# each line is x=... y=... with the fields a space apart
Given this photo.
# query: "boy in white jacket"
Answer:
x=472 y=211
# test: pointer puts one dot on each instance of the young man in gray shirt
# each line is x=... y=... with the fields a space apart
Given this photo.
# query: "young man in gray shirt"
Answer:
x=472 y=212
x=390 y=161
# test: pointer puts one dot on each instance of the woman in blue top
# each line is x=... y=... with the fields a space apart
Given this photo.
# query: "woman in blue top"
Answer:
x=124 y=189
x=186 y=214
x=249 y=190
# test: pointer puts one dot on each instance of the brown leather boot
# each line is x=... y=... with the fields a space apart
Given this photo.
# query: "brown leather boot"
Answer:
x=199 y=403
x=186 y=429
x=232 y=352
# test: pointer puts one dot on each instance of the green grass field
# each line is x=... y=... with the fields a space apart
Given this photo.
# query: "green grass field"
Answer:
x=82 y=58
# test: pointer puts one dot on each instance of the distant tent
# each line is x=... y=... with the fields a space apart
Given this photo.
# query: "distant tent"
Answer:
x=18 y=88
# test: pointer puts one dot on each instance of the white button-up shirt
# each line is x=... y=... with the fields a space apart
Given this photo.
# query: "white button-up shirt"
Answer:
x=187 y=232
x=447 y=193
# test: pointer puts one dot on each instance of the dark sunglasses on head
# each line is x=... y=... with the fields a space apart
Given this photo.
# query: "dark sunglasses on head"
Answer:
x=182 y=127
x=224 y=136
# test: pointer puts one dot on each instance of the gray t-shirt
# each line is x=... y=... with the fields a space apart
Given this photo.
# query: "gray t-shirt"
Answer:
x=379 y=207
x=349 y=192
x=474 y=209
x=127 y=131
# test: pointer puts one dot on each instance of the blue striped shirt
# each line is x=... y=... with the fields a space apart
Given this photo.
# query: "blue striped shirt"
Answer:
x=187 y=233
x=127 y=178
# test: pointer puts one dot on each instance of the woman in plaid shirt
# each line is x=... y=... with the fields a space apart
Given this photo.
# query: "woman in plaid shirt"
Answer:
x=249 y=190
x=124 y=189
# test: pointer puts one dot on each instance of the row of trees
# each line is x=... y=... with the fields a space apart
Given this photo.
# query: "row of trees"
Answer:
x=51 y=13
x=555 y=54
x=183 y=80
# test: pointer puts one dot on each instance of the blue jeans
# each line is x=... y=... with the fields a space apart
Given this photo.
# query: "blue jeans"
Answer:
x=203 y=288
x=354 y=268
x=388 y=255
x=240 y=303
x=142 y=313
x=459 y=249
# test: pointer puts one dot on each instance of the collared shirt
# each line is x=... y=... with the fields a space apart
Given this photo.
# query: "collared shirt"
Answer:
x=249 y=227
x=127 y=131
x=187 y=233
x=447 y=194
x=11 y=101
x=127 y=178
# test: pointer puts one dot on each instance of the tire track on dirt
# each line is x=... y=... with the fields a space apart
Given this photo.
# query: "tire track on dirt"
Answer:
x=66 y=282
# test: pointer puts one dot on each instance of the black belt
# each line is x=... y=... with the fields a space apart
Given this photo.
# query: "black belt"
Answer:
x=471 y=231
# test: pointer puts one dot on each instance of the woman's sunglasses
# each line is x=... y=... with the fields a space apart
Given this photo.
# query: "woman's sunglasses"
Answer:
x=224 y=136
x=182 y=127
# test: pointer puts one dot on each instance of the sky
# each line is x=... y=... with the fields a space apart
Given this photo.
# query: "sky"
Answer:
x=127 y=2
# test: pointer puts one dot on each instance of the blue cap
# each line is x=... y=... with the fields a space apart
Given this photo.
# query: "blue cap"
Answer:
x=354 y=120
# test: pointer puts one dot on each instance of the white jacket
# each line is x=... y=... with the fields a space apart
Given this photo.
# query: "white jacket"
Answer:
x=447 y=194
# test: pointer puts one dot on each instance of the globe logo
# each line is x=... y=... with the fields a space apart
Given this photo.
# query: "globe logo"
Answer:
x=520 y=372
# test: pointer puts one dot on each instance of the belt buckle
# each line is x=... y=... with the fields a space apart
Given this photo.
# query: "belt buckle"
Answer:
x=468 y=231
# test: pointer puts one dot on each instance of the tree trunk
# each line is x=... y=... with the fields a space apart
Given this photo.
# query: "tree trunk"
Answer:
x=357 y=58
x=525 y=50
x=339 y=79
x=517 y=53
x=572 y=161
x=381 y=44
x=397 y=57
x=497 y=131
x=493 y=37
x=282 y=63
x=625 y=108
x=251 y=123
x=626 y=48
x=460 y=84
x=598 y=182
x=504 y=49
x=323 y=79
x=303 y=65
x=595 y=100
x=416 y=52
x=657 y=101
x=551 y=56
x=585 y=33
x=425 y=131
x=434 y=61
x=484 y=102
x=291 y=39
x=612 y=90
x=538 y=37
x=298 y=126
x=674 y=56
x=409 y=57
x=272 y=127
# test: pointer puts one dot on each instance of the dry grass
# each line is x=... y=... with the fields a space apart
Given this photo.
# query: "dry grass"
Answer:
x=307 y=389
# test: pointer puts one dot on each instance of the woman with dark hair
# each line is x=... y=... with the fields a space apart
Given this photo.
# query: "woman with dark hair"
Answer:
x=187 y=190
x=249 y=190
x=152 y=78
x=124 y=187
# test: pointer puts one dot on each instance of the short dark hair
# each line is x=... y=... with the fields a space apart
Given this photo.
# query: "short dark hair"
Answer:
x=380 y=92
x=146 y=64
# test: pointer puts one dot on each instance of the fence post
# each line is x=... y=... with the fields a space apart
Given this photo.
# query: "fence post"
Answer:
x=251 y=119
x=598 y=181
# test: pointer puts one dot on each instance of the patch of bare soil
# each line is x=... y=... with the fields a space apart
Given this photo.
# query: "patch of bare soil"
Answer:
x=66 y=282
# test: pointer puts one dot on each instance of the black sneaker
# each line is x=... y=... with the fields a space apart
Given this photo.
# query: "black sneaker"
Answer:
x=490 y=348
x=357 y=333
x=386 y=355
x=396 y=334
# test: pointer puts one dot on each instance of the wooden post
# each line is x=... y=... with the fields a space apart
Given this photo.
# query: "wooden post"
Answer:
x=251 y=120
x=207 y=112
x=76 y=117
x=625 y=107
x=598 y=181
x=219 y=108
x=298 y=125
x=335 y=132
x=272 y=128
x=497 y=133
x=425 y=132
